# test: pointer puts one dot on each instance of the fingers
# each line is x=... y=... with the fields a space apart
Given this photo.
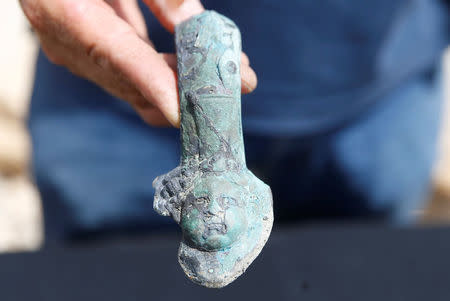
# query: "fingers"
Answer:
x=172 y=12
x=244 y=59
x=94 y=39
x=114 y=47
x=249 y=80
x=109 y=81
x=152 y=116
x=171 y=60
x=129 y=11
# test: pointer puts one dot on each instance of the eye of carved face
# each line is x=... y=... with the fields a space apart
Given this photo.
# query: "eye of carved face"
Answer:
x=231 y=67
x=212 y=222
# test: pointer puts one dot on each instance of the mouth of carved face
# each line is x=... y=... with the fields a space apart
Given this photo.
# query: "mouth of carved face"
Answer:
x=212 y=223
x=215 y=229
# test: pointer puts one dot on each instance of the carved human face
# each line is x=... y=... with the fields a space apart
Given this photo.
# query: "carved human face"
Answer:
x=213 y=216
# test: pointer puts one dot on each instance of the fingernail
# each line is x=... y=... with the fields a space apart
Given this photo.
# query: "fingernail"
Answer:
x=174 y=119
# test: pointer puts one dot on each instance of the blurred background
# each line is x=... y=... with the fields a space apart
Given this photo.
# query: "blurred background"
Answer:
x=20 y=208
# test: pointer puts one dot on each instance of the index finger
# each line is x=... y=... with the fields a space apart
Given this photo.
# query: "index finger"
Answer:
x=114 y=45
x=172 y=12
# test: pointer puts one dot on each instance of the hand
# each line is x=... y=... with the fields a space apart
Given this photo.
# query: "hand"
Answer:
x=106 y=42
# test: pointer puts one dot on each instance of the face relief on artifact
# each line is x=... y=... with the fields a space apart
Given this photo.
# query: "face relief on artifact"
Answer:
x=224 y=211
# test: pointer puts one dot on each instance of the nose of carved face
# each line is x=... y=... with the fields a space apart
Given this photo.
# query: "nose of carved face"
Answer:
x=213 y=224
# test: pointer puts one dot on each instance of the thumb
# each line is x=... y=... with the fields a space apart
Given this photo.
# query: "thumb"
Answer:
x=172 y=12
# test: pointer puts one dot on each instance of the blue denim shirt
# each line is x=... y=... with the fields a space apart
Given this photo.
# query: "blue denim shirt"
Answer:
x=320 y=64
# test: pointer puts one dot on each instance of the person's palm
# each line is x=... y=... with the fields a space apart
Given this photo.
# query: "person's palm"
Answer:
x=107 y=43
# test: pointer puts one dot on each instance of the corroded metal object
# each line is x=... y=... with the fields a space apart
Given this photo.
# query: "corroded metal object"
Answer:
x=225 y=212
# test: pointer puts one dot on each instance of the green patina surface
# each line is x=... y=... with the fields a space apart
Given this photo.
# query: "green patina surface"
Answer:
x=225 y=212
